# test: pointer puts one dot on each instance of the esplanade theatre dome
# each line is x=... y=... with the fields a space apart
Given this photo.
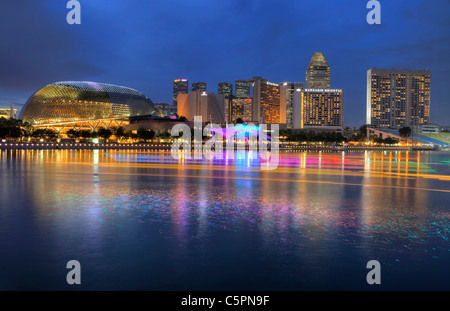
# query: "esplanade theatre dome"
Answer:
x=73 y=101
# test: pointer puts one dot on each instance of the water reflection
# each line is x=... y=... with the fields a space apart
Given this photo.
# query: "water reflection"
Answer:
x=316 y=212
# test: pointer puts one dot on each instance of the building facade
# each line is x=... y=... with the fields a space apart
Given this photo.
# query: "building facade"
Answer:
x=287 y=91
x=164 y=108
x=180 y=86
x=239 y=108
x=76 y=101
x=199 y=103
x=199 y=86
x=242 y=89
x=225 y=88
x=8 y=113
x=318 y=72
x=397 y=98
x=319 y=108
x=266 y=101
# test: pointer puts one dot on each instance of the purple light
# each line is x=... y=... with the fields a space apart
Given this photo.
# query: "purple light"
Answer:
x=230 y=131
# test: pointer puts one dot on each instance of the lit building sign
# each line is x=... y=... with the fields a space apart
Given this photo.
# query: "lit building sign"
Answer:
x=323 y=90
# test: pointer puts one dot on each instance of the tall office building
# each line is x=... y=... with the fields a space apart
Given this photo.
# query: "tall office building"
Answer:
x=318 y=72
x=398 y=97
x=200 y=103
x=287 y=91
x=319 y=108
x=225 y=88
x=242 y=89
x=239 y=108
x=199 y=86
x=180 y=86
x=266 y=101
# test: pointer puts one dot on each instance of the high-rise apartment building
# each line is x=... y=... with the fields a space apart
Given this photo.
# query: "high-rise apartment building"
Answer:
x=398 y=97
x=199 y=86
x=180 y=86
x=242 y=89
x=266 y=101
x=318 y=72
x=225 y=88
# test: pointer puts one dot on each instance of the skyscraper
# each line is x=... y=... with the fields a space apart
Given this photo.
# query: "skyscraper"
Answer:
x=199 y=86
x=266 y=101
x=180 y=86
x=318 y=72
x=398 y=97
x=200 y=103
x=225 y=88
x=242 y=89
x=239 y=108
x=319 y=108
x=287 y=90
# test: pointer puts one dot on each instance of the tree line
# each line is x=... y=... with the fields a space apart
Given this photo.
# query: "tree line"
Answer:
x=19 y=130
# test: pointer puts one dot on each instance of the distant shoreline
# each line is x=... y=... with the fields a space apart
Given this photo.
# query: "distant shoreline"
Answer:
x=167 y=147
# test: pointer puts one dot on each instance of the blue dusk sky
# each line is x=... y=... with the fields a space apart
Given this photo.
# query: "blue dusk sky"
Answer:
x=147 y=44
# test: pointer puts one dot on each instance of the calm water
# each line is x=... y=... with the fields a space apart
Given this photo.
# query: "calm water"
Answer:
x=143 y=221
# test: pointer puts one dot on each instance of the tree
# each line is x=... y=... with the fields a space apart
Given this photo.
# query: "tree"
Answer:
x=13 y=128
x=104 y=133
x=145 y=134
x=361 y=135
x=44 y=134
x=72 y=134
x=165 y=135
x=239 y=121
x=119 y=132
x=390 y=141
x=85 y=134
x=50 y=134
x=404 y=132
x=26 y=129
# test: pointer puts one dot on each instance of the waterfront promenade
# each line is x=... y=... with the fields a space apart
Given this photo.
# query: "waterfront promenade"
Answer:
x=167 y=146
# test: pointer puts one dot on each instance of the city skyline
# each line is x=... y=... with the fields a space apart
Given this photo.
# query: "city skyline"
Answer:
x=274 y=40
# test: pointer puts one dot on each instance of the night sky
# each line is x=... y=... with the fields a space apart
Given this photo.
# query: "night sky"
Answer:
x=147 y=44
